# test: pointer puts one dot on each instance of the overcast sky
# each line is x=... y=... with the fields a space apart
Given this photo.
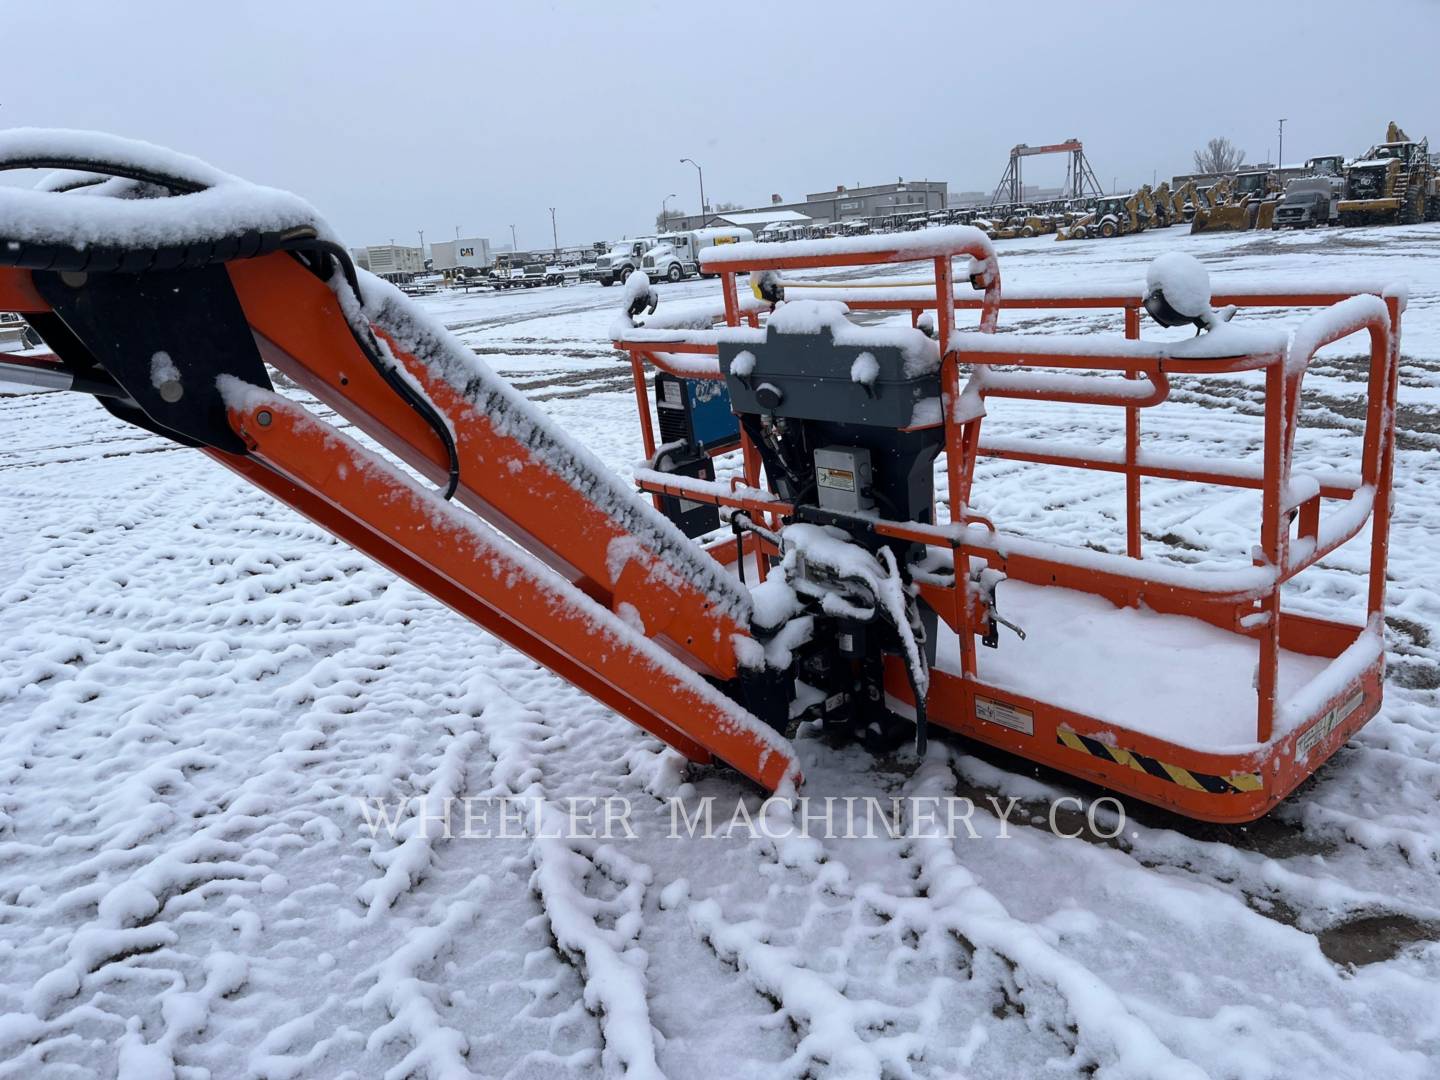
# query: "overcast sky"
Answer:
x=400 y=116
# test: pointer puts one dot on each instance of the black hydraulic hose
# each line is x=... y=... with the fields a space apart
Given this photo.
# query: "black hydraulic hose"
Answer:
x=126 y=171
x=921 y=734
x=371 y=348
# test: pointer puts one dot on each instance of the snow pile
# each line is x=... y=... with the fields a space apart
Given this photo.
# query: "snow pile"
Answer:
x=637 y=286
x=922 y=355
x=1184 y=281
x=865 y=370
x=809 y=317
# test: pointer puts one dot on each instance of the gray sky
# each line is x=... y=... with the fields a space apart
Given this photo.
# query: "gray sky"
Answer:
x=400 y=116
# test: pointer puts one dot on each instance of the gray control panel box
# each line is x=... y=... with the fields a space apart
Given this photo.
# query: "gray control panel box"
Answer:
x=843 y=478
x=809 y=377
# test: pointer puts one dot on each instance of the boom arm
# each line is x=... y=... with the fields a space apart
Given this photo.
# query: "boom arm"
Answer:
x=546 y=548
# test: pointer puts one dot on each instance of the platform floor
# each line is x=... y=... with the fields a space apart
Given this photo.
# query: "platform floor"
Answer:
x=1170 y=676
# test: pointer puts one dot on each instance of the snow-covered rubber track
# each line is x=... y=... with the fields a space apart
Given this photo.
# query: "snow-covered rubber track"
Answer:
x=198 y=690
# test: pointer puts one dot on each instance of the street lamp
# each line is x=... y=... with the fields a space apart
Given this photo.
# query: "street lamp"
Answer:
x=703 y=208
x=665 y=208
x=513 y=245
x=554 y=235
x=1280 y=154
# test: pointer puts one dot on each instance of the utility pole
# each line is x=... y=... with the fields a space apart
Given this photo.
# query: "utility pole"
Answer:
x=1280 y=154
x=704 y=210
x=554 y=235
x=513 y=245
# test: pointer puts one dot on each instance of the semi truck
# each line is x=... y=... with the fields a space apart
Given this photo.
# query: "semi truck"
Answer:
x=676 y=255
x=622 y=260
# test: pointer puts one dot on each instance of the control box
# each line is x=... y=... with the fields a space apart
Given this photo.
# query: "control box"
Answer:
x=695 y=411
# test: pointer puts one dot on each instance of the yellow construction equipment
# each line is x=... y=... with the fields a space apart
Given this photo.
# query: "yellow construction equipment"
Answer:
x=1114 y=215
x=1393 y=184
x=1255 y=194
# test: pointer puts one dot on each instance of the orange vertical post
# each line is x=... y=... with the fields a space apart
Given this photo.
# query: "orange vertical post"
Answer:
x=1132 y=451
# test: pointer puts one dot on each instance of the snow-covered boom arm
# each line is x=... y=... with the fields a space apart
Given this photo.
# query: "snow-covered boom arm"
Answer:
x=165 y=288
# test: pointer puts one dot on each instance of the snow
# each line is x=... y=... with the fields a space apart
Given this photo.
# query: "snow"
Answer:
x=1185 y=681
x=910 y=246
x=1224 y=342
x=921 y=354
x=1183 y=280
x=163 y=371
x=198 y=689
x=636 y=286
x=865 y=370
x=227 y=208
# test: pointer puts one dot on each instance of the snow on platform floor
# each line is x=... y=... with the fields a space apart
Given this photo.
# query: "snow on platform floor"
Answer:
x=197 y=688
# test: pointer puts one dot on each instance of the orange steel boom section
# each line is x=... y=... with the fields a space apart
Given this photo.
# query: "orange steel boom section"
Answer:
x=1231 y=787
x=565 y=620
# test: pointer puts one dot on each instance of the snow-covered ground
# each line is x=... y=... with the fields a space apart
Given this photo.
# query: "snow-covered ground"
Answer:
x=199 y=691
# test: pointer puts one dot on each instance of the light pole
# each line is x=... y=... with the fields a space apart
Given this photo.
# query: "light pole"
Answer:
x=554 y=235
x=422 y=249
x=703 y=208
x=1280 y=154
x=665 y=210
x=513 y=245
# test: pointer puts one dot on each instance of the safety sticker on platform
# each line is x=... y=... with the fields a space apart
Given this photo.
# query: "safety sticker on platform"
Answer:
x=1174 y=774
x=1319 y=730
x=1007 y=716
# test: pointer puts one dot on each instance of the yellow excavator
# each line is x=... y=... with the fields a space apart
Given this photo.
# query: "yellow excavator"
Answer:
x=1251 y=205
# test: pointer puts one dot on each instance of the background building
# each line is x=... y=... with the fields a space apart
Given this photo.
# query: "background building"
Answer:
x=904 y=197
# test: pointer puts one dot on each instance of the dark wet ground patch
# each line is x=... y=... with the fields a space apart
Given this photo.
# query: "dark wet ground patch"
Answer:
x=1370 y=939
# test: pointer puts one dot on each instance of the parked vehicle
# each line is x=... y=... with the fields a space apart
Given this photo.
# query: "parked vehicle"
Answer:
x=1393 y=184
x=1313 y=199
x=509 y=270
x=622 y=260
x=676 y=255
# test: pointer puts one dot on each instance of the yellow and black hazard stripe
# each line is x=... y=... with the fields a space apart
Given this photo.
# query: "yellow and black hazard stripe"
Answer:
x=1175 y=774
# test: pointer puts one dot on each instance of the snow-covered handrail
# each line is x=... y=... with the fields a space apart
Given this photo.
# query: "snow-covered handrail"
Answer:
x=849 y=250
x=1093 y=350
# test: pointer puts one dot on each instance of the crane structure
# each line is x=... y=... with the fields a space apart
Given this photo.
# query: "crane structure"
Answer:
x=1080 y=179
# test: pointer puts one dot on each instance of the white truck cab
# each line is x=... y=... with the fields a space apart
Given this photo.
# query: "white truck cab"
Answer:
x=676 y=255
x=622 y=260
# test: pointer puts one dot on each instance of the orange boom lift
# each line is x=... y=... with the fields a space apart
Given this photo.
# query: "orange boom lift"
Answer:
x=871 y=618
